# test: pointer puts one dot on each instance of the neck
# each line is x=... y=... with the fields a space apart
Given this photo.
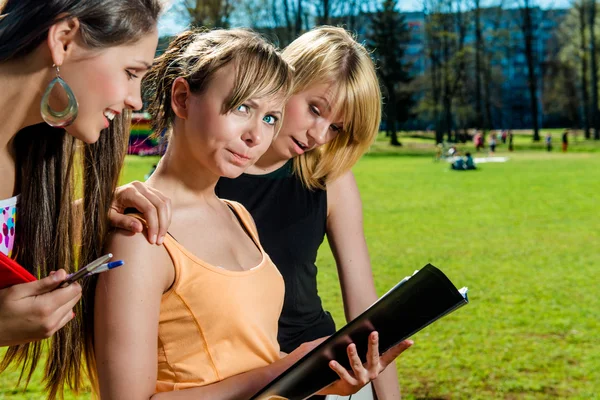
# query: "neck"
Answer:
x=182 y=179
x=269 y=162
x=23 y=83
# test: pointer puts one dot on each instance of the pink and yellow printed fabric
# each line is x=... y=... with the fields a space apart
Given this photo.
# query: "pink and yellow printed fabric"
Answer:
x=8 y=210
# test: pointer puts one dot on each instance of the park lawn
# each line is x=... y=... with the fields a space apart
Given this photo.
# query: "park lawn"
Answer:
x=521 y=235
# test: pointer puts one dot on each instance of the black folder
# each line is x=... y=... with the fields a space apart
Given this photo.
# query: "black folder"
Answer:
x=408 y=307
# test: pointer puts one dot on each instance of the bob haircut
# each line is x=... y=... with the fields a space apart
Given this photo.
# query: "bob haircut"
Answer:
x=331 y=55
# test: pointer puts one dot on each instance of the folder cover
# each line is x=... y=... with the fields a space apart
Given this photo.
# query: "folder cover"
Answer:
x=408 y=307
x=11 y=273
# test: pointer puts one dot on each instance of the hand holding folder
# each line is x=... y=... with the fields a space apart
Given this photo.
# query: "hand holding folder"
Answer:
x=408 y=307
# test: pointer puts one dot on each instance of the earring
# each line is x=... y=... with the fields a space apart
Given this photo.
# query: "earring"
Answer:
x=63 y=118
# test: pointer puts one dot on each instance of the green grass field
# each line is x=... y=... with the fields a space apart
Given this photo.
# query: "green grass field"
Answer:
x=522 y=235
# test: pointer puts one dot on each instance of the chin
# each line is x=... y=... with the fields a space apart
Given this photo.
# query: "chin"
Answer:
x=85 y=135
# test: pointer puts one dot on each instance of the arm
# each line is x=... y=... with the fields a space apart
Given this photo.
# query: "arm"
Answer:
x=126 y=313
x=347 y=241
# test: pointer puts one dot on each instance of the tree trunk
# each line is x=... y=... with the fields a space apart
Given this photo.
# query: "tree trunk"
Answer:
x=584 y=72
x=391 y=115
x=594 y=59
x=298 y=28
x=478 y=43
x=532 y=78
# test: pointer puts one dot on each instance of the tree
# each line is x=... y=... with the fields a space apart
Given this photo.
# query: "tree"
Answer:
x=528 y=27
x=388 y=37
x=584 y=85
x=594 y=70
x=209 y=13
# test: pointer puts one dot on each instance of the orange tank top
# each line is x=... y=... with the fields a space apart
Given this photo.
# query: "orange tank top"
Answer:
x=215 y=323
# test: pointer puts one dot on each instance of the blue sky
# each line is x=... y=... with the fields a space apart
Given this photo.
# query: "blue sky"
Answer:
x=172 y=22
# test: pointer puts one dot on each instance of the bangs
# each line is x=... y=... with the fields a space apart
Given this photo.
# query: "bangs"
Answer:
x=259 y=74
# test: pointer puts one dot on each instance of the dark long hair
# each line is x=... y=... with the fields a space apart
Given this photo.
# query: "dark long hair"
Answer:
x=51 y=164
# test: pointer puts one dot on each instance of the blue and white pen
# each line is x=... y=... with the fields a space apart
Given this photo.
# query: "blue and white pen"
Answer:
x=106 y=267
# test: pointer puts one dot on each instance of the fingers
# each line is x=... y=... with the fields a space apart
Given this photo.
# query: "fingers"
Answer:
x=373 y=351
x=126 y=222
x=66 y=301
x=65 y=319
x=360 y=373
x=164 y=214
x=41 y=286
x=342 y=373
x=63 y=299
x=394 y=352
x=155 y=207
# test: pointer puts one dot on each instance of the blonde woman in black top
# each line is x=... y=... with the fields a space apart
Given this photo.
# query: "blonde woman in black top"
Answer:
x=302 y=187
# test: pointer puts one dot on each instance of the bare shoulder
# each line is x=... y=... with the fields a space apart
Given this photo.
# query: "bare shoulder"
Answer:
x=343 y=192
x=144 y=262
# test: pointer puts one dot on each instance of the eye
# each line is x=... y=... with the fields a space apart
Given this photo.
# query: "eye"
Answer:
x=243 y=108
x=130 y=75
x=270 y=119
x=335 y=128
x=315 y=111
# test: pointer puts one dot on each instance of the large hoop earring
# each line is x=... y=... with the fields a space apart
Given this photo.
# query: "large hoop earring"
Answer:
x=63 y=118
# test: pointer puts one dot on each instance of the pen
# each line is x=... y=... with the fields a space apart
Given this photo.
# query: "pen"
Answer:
x=85 y=270
x=106 y=267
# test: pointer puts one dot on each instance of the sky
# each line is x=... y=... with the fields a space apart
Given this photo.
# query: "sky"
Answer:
x=172 y=22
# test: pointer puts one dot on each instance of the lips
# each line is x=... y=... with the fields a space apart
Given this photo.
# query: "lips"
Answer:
x=299 y=147
x=239 y=158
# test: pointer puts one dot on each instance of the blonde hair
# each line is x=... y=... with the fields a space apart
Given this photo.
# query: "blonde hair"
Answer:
x=196 y=55
x=331 y=55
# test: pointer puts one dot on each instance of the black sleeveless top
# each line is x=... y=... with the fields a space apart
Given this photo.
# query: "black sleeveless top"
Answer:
x=291 y=224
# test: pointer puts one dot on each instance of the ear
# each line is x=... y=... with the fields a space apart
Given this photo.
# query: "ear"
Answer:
x=61 y=39
x=180 y=95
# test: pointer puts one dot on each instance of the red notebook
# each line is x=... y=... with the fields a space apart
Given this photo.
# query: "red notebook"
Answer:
x=11 y=273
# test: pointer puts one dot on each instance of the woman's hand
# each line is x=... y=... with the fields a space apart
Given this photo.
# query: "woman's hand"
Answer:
x=155 y=207
x=351 y=382
x=35 y=310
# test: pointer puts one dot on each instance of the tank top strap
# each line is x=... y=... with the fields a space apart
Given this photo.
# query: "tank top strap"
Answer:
x=245 y=219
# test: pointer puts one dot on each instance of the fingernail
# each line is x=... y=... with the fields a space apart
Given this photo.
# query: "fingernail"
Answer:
x=375 y=336
x=132 y=227
x=54 y=276
x=160 y=240
x=153 y=240
x=73 y=314
x=52 y=273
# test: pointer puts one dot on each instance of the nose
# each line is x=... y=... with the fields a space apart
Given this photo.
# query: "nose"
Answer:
x=134 y=100
x=319 y=132
x=253 y=135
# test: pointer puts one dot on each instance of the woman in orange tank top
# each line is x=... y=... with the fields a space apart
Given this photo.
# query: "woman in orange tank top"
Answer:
x=197 y=317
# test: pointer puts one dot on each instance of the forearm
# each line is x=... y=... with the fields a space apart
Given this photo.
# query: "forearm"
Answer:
x=357 y=298
x=386 y=385
x=238 y=387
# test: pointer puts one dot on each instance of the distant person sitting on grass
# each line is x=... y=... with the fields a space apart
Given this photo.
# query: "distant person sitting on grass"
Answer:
x=458 y=164
x=469 y=163
x=463 y=164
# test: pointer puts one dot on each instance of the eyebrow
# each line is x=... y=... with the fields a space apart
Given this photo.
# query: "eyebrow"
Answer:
x=144 y=63
x=324 y=100
x=254 y=104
